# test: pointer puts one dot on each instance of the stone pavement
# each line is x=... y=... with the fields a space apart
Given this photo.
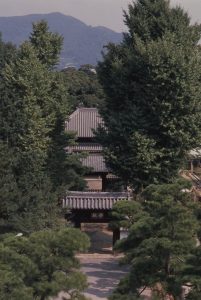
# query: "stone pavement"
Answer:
x=103 y=274
x=101 y=266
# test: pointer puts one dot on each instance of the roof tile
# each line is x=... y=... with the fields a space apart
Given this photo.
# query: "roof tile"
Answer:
x=83 y=120
x=93 y=200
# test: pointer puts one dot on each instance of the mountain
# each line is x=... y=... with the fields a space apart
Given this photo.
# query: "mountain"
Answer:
x=82 y=43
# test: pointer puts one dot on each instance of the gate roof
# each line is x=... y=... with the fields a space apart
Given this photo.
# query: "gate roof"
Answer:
x=93 y=200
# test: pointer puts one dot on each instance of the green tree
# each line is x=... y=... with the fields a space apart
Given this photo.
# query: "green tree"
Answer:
x=161 y=235
x=7 y=52
x=83 y=86
x=47 y=44
x=27 y=119
x=152 y=106
x=9 y=191
x=34 y=104
x=42 y=265
x=192 y=274
x=65 y=169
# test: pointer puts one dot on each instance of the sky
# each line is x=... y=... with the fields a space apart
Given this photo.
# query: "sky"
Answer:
x=93 y=12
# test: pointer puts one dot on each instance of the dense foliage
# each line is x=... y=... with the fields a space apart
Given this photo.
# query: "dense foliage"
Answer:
x=192 y=274
x=35 y=172
x=47 y=44
x=152 y=86
x=151 y=109
x=162 y=232
x=7 y=52
x=34 y=103
x=42 y=265
x=83 y=86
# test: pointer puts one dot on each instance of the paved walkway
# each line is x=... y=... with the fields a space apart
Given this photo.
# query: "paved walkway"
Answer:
x=103 y=273
x=100 y=266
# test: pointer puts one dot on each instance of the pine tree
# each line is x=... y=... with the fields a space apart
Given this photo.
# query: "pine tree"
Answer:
x=152 y=107
x=7 y=52
x=161 y=235
x=42 y=265
x=192 y=274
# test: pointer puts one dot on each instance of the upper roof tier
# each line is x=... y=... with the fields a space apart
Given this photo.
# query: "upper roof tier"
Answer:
x=83 y=121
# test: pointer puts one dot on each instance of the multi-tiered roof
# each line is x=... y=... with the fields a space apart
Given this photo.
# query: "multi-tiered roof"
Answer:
x=83 y=122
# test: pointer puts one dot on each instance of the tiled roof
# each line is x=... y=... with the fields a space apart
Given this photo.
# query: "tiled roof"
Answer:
x=96 y=162
x=88 y=147
x=83 y=120
x=93 y=200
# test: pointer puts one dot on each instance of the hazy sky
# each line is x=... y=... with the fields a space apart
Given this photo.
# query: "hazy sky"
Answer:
x=93 y=12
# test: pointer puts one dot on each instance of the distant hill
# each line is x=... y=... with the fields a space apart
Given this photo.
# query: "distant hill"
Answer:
x=82 y=43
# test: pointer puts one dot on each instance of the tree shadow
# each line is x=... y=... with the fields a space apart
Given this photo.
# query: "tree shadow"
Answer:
x=103 y=277
x=101 y=240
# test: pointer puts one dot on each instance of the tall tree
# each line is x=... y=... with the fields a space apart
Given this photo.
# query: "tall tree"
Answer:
x=65 y=169
x=34 y=104
x=47 y=44
x=7 y=52
x=27 y=119
x=151 y=81
x=162 y=232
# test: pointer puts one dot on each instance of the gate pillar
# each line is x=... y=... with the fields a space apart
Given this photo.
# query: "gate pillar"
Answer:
x=116 y=235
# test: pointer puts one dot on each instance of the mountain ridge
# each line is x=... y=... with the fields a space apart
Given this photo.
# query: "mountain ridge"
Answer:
x=82 y=43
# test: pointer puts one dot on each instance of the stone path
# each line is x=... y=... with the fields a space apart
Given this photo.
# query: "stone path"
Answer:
x=103 y=273
x=101 y=266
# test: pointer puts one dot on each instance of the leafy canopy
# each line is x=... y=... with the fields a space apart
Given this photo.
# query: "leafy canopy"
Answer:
x=83 y=86
x=42 y=265
x=152 y=107
x=35 y=170
x=47 y=44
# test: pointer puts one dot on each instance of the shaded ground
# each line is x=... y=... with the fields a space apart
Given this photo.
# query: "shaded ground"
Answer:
x=103 y=274
x=100 y=265
x=100 y=237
